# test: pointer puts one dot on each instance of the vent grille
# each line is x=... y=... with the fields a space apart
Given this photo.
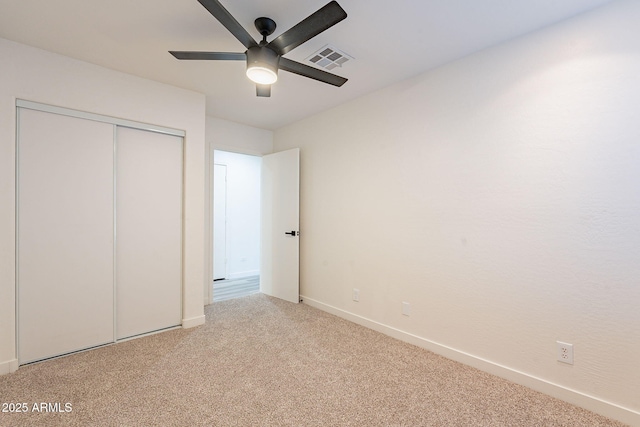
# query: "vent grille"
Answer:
x=329 y=58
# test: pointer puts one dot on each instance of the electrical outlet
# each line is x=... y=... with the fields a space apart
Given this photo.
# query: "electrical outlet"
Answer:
x=406 y=308
x=565 y=352
x=356 y=294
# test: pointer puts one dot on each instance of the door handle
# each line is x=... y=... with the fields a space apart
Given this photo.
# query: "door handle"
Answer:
x=292 y=233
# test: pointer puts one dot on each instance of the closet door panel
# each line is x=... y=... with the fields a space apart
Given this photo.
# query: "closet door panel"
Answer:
x=149 y=232
x=65 y=234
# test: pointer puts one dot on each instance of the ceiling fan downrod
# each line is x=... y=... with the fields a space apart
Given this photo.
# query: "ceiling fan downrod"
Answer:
x=266 y=27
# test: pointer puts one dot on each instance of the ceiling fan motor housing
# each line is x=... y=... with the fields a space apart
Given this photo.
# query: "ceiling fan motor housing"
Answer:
x=262 y=58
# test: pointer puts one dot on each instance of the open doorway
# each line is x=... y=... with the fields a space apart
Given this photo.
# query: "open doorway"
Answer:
x=236 y=225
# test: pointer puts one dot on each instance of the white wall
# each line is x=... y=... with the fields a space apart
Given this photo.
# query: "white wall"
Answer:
x=41 y=76
x=237 y=138
x=500 y=196
x=243 y=213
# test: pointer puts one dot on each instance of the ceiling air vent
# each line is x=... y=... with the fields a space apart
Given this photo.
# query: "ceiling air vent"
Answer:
x=329 y=58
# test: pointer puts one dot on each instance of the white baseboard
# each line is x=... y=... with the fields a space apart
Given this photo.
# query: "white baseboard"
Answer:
x=9 y=366
x=193 y=322
x=594 y=404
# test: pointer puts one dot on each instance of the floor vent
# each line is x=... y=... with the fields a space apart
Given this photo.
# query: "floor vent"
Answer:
x=329 y=58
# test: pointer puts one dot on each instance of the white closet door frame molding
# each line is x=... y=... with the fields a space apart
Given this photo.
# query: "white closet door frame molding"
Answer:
x=31 y=105
x=21 y=103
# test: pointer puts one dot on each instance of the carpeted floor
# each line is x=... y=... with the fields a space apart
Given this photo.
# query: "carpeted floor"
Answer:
x=259 y=361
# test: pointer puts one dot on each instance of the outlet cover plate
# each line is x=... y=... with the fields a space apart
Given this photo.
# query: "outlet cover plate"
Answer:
x=565 y=352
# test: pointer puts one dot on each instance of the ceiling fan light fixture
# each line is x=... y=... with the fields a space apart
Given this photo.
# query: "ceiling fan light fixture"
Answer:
x=261 y=75
x=262 y=65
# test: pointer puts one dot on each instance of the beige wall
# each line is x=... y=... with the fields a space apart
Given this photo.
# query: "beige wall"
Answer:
x=500 y=196
x=44 y=77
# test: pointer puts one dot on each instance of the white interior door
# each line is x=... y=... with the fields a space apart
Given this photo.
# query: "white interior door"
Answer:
x=148 y=231
x=219 y=222
x=65 y=234
x=279 y=269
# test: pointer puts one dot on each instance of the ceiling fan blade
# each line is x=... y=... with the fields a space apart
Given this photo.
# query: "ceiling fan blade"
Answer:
x=317 y=22
x=211 y=56
x=221 y=14
x=263 y=90
x=313 y=73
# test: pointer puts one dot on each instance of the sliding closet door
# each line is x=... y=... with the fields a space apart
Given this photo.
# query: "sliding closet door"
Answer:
x=65 y=234
x=149 y=231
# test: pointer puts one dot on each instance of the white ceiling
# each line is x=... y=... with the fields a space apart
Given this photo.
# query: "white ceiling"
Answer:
x=390 y=41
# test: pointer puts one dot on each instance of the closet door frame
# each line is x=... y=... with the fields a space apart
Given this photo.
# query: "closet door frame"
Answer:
x=116 y=122
x=21 y=103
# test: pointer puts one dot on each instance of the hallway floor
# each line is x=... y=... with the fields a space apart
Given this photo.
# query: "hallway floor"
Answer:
x=235 y=288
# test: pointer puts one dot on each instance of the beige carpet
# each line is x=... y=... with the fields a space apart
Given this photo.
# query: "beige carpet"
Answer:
x=260 y=361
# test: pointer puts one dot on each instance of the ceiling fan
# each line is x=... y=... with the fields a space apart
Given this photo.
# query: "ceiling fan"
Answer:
x=265 y=58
